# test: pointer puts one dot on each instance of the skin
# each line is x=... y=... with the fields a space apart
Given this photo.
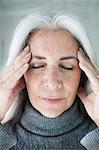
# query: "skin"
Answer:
x=51 y=80
x=90 y=99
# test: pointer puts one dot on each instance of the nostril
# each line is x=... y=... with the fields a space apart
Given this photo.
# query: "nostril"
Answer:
x=52 y=84
x=52 y=80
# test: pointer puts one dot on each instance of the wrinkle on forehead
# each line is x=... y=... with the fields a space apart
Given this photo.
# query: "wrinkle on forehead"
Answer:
x=53 y=40
x=48 y=33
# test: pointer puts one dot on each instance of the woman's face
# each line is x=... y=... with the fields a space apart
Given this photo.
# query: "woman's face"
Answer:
x=53 y=77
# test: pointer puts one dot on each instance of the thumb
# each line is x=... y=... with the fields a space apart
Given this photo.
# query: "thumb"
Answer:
x=82 y=94
x=18 y=88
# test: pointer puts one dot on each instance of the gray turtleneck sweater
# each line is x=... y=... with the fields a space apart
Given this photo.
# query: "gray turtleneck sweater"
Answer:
x=72 y=130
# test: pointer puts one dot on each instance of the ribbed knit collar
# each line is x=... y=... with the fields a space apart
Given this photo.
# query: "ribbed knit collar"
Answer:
x=36 y=123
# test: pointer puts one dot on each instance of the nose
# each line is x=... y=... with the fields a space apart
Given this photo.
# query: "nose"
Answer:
x=52 y=80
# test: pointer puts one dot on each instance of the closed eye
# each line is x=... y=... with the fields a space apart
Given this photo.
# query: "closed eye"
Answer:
x=37 y=66
x=66 y=68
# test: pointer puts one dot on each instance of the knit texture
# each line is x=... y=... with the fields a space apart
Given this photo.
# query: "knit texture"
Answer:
x=64 y=132
x=89 y=138
x=7 y=137
x=37 y=132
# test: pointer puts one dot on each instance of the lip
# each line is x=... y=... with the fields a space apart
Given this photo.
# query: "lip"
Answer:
x=52 y=100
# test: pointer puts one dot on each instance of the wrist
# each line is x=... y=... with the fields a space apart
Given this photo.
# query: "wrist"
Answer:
x=1 y=117
x=97 y=123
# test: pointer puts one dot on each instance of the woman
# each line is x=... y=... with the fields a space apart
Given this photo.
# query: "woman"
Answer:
x=44 y=87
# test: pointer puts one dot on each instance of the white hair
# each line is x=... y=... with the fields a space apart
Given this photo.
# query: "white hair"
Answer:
x=39 y=20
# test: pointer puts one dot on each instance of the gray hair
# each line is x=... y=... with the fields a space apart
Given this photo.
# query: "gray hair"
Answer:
x=41 y=20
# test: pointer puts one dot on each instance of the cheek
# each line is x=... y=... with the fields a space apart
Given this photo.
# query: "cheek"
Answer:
x=31 y=81
x=71 y=81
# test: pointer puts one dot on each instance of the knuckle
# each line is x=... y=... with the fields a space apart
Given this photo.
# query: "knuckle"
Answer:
x=20 y=72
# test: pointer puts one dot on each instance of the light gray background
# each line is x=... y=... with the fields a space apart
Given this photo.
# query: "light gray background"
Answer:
x=11 y=12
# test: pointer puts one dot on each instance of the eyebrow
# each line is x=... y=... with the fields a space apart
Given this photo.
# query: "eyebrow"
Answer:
x=69 y=57
x=38 y=57
x=63 y=58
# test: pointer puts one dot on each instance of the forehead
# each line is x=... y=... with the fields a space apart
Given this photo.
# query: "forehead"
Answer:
x=53 y=41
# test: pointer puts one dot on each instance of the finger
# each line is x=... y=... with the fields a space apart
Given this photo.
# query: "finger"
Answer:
x=12 y=81
x=88 y=68
x=84 y=60
x=82 y=94
x=11 y=69
x=23 y=53
x=18 y=63
x=8 y=69
x=20 y=86
x=6 y=73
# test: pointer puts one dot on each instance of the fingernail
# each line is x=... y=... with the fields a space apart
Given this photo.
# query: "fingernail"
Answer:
x=80 y=51
x=26 y=49
x=25 y=66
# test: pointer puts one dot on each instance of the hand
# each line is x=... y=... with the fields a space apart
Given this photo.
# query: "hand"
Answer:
x=12 y=80
x=90 y=100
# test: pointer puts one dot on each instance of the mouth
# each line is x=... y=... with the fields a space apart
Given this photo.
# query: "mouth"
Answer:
x=52 y=100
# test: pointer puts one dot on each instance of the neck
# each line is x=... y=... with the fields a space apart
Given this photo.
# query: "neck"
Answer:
x=35 y=122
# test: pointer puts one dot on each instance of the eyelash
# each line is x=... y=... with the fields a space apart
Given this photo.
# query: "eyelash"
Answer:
x=34 y=67
x=71 y=68
x=66 y=68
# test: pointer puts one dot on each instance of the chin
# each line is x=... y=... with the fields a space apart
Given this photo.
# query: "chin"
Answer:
x=52 y=114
